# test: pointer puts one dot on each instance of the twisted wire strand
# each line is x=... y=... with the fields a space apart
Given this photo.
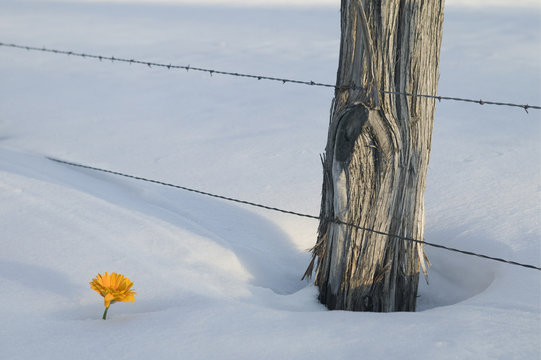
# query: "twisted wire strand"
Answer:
x=526 y=107
x=398 y=237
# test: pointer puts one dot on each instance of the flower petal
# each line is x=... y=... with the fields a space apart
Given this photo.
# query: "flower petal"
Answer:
x=107 y=300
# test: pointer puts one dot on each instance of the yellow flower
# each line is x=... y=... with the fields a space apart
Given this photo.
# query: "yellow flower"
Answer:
x=113 y=288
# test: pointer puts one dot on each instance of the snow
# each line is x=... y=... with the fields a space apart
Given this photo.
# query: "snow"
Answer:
x=312 y=3
x=219 y=280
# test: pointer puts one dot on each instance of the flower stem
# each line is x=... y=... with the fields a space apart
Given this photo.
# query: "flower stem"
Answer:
x=105 y=313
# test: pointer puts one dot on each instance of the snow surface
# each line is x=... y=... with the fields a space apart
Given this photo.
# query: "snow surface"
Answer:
x=311 y=3
x=218 y=280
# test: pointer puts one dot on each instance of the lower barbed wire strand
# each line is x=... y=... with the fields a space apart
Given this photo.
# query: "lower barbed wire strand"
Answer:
x=403 y=238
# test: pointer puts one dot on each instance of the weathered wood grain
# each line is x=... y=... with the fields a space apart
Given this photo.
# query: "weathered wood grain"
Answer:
x=377 y=153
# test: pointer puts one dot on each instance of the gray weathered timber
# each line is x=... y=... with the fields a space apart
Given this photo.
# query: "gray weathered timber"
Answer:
x=377 y=153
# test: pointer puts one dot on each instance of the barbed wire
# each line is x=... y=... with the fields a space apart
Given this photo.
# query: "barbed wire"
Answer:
x=526 y=107
x=403 y=238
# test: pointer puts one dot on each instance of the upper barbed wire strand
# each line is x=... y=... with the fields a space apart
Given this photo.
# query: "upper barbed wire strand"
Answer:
x=526 y=107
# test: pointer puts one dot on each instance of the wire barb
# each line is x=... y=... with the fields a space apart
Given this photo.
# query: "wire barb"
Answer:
x=260 y=77
x=336 y=221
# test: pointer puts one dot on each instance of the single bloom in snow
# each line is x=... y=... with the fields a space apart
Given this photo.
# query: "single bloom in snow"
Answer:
x=113 y=288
